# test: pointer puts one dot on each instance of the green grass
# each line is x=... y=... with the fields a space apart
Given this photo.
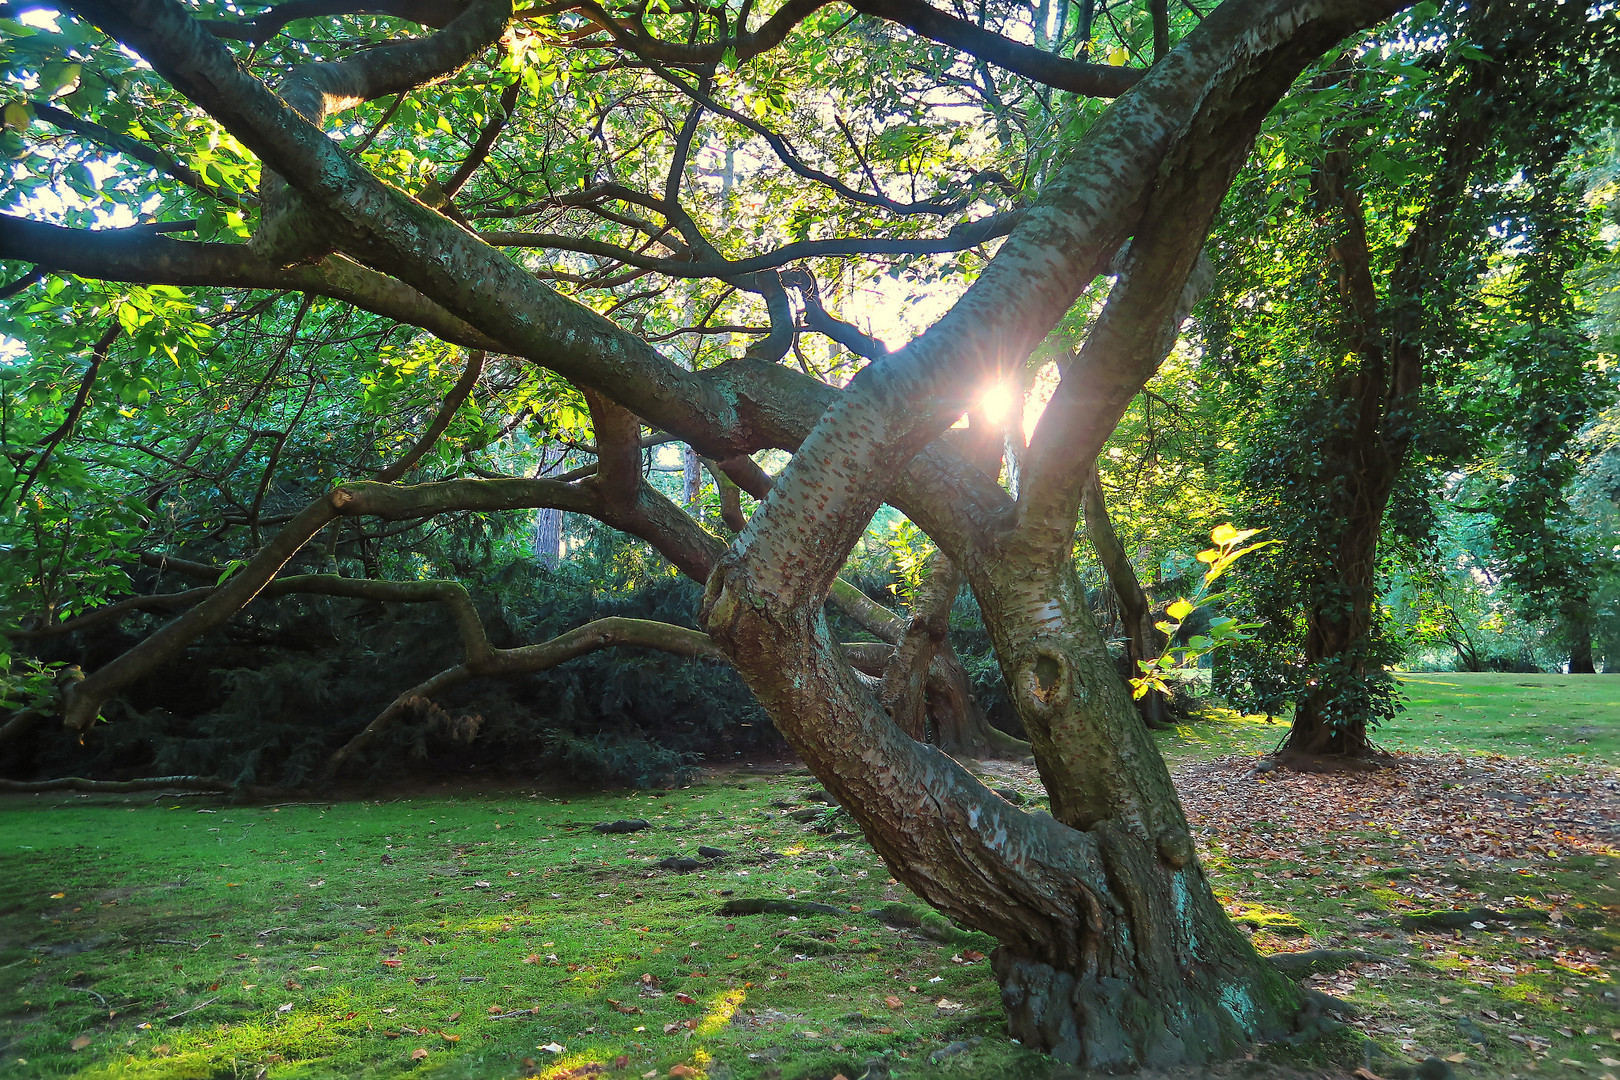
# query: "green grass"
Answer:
x=188 y=937
x=1522 y=715
x=489 y=905
x=1542 y=716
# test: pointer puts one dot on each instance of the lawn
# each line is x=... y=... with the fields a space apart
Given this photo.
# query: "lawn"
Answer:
x=458 y=934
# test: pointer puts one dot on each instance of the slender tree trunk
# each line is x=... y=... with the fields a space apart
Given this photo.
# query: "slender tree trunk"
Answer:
x=1143 y=640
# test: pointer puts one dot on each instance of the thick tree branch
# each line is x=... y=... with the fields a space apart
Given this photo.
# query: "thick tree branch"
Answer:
x=135 y=255
x=263 y=27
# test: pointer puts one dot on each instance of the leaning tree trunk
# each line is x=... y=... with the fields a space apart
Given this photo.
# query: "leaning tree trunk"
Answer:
x=1114 y=952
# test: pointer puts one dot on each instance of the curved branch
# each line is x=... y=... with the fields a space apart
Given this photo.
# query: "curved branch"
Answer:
x=1037 y=65
x=606 y=633
x=135 y=255
x=959 y=238
x=1049 y=69
x=458 y=394
x=97 y=357
x=140 y=151
x=318 y=90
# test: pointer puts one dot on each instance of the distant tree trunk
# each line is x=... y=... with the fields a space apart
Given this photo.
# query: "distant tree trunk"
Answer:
x=691 y=481
x=1578 y=627
x=548 y=538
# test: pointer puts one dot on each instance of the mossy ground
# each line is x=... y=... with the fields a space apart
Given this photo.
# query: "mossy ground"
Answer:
x=188 y=937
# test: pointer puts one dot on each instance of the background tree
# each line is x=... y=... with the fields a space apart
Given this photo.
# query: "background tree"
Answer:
x=1376 y=319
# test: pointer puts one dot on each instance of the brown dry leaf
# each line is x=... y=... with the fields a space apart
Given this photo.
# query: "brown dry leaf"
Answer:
x=671 y=1028
x=80 y=1042
x=622 y=1061
x=686 y=999
x=534 y=958
x=291 y=985
x=447 y=1037
x=1366 y=1074
x=628 y=1010
x=884 y=1030
x=418 y=1054
x=683 y=1070
x=893 y=1002
x=494 y=1010
x=1459 y=1056
x=973 y=956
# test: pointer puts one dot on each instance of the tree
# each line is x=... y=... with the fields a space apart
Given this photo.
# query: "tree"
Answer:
x=1388 y=240
x=1114 y=951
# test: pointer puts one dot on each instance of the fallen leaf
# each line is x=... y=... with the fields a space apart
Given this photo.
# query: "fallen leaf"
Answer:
x=447 y=1037
x=1366 y=1074
x=58 y=895
x=884 y=1030
x=683 y=1070
x=534 y=958
x=628 y=1010
x=392 y=963
x=418 y=1054
x=893 y=1002
x=1459 y=1056
x=973 y=956
x=293 y=985
x=1609 y=1062
x=622 y=1061
x=79 y=1041
x=454 y=1017
x=1445 y=1000
x=284 y=1008
x=686 y=999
